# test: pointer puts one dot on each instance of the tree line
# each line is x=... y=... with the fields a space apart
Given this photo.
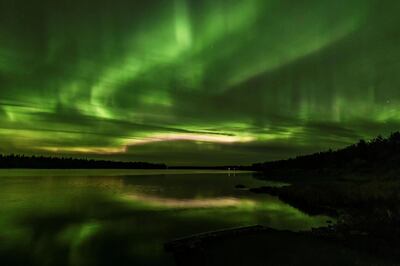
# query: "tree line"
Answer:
x=377 y=154
x=42 y=162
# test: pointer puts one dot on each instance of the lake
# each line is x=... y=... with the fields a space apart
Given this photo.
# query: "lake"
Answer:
x=123 y=217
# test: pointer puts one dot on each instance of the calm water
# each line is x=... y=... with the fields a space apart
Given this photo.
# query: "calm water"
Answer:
x=113 y=217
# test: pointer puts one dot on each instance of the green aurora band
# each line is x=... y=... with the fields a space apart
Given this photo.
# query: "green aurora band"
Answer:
x=190 y=82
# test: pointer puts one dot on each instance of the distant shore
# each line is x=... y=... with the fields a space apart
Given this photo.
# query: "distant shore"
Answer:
x=43 y=162
x=13 y=161
x=110 y=172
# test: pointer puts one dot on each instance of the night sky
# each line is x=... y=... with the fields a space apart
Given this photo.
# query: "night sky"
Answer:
x=193 y=82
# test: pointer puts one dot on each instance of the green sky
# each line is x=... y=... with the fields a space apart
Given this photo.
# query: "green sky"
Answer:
x=196 y=82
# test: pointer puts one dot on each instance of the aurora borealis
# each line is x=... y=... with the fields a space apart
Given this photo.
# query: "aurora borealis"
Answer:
x=192 y=82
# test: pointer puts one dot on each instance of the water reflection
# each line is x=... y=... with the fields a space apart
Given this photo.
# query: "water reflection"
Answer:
x=67 y=218
x=189 y=203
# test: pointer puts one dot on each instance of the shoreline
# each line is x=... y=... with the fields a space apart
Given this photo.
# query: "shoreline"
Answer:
x=367 y=213
x=112 y=172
